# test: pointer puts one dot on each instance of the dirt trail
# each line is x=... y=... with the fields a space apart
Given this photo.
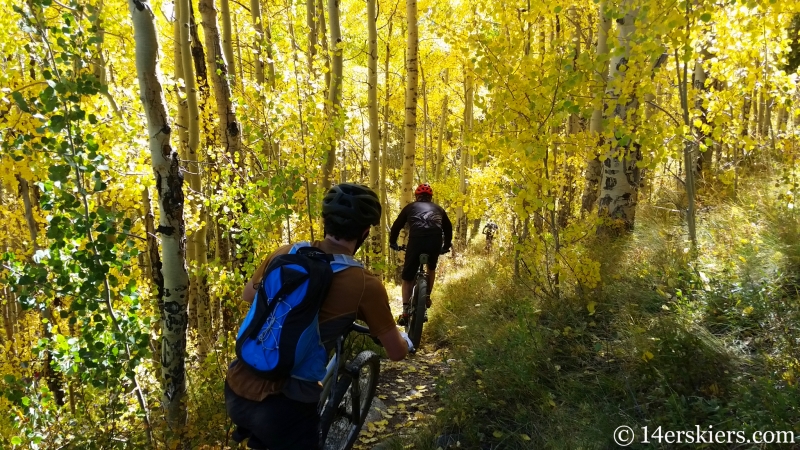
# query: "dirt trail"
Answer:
x=406 y=396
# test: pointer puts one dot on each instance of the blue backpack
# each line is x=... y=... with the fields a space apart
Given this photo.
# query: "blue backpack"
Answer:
x=279 y=337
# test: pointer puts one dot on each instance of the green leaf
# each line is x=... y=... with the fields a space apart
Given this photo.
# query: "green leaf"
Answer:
x=26 y=401
x=16 y=440
x=705 y=17
x=23 y=105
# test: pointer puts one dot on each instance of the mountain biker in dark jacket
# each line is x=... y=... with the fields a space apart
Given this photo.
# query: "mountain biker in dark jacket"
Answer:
x=427 y=223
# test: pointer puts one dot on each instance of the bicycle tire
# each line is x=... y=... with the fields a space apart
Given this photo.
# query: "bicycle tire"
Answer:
x=418 y=305
x=339 y=430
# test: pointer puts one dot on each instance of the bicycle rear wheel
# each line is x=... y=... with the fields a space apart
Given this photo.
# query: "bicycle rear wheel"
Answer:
x=417 y=316
x=352 y=400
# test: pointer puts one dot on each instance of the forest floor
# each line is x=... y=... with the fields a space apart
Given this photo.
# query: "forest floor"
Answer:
x=406 y=396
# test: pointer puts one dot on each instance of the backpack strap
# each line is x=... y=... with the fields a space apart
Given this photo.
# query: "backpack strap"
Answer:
x=342 y=262
x=298 y=246
x=338 y=262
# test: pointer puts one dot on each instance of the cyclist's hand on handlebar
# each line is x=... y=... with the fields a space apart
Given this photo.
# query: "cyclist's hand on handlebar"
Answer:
x=394 y=246
x=445 y=249
x=411 y=348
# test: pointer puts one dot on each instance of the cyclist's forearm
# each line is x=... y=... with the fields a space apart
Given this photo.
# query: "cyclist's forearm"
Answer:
x=395 y=345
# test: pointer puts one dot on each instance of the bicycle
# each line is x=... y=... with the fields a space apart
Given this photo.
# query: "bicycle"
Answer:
x=418 y=302
x=347 y=393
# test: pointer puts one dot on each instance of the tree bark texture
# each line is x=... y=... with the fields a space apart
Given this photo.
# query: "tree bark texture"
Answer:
x=621 y=176
x=442 y=129
x=258 y=26
x=376 y=236
x=334 y=92
x=594 y=168
x=169 y=185
x=412 y=75
x=227 y=39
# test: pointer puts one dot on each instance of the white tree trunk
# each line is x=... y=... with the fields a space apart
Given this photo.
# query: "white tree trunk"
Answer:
x=409 y=152
x=374 y=124
x=620 y=181
x=461 y=217
x=227 y=40
x=442 y=128
x=255 y=13
x=594 y=168
x=311 y=16
x=335 y=90
x=169 y=184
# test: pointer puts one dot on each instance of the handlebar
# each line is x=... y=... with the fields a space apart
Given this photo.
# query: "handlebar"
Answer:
x=364 y=330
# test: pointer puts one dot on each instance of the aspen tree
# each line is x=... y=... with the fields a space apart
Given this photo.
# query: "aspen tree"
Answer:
x=169 y=185
x=258 y=26
x=374 y=125
x=385 y=216
x=198 y=305
x=227 y=39
x=442 y=128
x=311 y=17
x=412 y=74
x=620 y=182
x=594 y=168
x=334 y=91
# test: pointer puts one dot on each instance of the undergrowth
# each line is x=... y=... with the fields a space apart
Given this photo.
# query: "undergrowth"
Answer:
x=671 y=340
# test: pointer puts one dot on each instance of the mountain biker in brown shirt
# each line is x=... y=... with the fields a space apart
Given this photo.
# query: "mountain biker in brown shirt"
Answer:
x=283 y=415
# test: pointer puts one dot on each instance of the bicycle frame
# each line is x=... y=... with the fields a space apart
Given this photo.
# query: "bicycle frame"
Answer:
x=335 y=366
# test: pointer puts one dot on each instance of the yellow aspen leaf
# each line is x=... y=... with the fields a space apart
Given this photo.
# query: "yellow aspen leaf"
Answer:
x=497 y=434
x=647 y=356
x=590 y=307
x=525 y=437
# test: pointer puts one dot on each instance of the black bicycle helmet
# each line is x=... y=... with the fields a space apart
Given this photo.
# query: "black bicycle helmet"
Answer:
x=352 y=204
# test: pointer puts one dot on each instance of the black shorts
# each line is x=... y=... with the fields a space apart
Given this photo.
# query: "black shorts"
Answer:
x=416 y=246
x=276 y=423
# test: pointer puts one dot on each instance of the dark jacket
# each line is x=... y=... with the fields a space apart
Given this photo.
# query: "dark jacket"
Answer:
x=423 y=219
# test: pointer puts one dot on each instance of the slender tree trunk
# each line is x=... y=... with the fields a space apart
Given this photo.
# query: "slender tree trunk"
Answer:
x=412 y=74
x=270 y=55
x=374 y=124
x=690 y=159
x=258 y=26
x=594 y=168
x=703 y=163
x=193 y=168
x=442 y=127
x=574 y=126
x=335 y=92
x=385 y=217
x=227 y=40
x=461 y=217
x=231 y=142
x=311 y=16
x=169 y=184
x=322 y=34
x=180 y=86
x=620 y=181
x=153 y=271
x=425 y=149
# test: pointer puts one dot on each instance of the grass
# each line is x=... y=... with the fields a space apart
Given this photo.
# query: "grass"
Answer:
x=674 y=341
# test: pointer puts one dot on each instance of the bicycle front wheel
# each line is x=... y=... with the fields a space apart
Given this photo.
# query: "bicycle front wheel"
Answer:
x=419 y=304
x=353 y=400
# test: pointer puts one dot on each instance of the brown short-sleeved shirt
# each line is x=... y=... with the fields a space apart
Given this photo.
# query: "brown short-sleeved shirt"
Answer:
x=354 y=294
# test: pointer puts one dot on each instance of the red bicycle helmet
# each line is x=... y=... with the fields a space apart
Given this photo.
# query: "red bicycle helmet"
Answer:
x=424 y=189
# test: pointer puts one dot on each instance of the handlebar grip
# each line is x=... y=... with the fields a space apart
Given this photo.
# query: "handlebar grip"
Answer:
x=359 y=328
